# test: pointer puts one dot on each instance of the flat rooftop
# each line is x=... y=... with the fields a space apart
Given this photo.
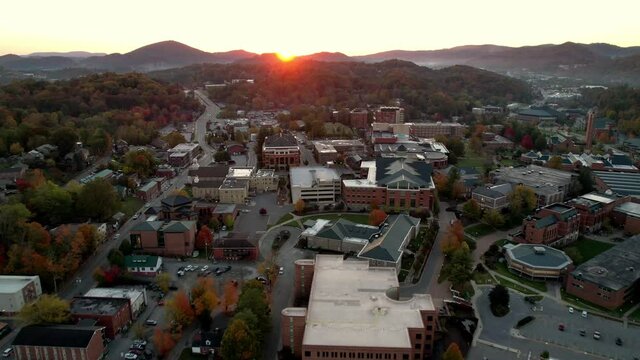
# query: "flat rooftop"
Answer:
x=629 y=208
x=534 y=175
x=616 y=268
x=597 y=197
x=128 y=293
x=309 y=176
x=539 y=256
x=348 y=306
x=241 y=171
x=620 y=183
x=98 y=306
x=10 y=284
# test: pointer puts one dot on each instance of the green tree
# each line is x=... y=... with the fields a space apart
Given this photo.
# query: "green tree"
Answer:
x=174 y=138
x=453 y=353
x=238 y=342
x=125 y=247
x=221 y=156
x=98 y=200
x=472 y=209
x=555 y=162
x=255 y=300
x=100 y=142
x=13 y=217
x=574 y=254
x=51 y=203
x=499 y=300
x=48 y=309
x=229 y=221
x=522 y=200
x=116 y=257
x=493 y=218
x=585 y=179
x=459 y=268
x=163 y=280
x=65 y=139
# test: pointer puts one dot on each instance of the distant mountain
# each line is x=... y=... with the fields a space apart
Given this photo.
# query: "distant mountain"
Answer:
x=327 y=56
x=69 y=54
x=19 y=63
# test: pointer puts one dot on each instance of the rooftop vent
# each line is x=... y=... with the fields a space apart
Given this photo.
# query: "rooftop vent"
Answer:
x=539 y=250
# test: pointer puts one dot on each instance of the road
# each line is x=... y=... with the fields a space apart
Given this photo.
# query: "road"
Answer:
x=210 y=114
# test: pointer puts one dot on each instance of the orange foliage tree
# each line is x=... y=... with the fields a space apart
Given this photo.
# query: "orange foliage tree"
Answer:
x=204 y=238
x=179 y=309
x=204 y=296
x=230 y=295
x=163 y=342
x=454 y=238
x=440 y=180
x=376 y=217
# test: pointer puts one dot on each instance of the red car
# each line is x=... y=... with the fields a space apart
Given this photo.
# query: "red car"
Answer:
x=161 y=303
x=561 y=327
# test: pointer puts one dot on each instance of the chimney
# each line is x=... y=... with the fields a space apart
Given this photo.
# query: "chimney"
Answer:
x=591 y=118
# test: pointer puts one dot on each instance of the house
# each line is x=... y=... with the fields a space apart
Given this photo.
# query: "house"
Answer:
x=610 y=278
x=236 y=149
x=554 y=225
x=207 y=343
x=177 y=207
x=59 y=342
x=174 y=238
x=492 y=198
x=113 y=313
x=48 y=150
x=352 y=314
x=394 y=182
x=14 y=172
x=143 y=264
x=280 y=151
x=16 y=291
x=149 y=191
x=235 y=246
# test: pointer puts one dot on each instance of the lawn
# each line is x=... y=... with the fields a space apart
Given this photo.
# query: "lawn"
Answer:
x=635 y=316
x=471 y=161
x=286 y=217
x=357 y=218
x=131 y=205
x=515 y=286
x=292 y=223
x=482 y=278
x=587 y=248
x=478 y=230
x=508 y=162
x=504 y=271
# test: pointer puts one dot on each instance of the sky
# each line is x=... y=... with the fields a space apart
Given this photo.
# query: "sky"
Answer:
x=354 y=27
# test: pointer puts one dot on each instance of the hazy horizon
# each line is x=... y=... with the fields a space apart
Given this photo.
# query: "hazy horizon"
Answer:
x=287 y=26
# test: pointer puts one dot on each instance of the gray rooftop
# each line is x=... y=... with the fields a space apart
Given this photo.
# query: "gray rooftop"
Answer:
x=97 y=305
x=539 y=256
x=388 y=247
x=310 y=176
x=616 y=268
x=629 y=208
x=620 y=183
x=534 y=176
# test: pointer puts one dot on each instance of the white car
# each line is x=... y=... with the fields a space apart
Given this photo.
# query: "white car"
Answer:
x=570 y=309
x=584 y=314
x=281 y=271
x=135 y=217
x=205 y=268
x=189 y=268
x=130 y=356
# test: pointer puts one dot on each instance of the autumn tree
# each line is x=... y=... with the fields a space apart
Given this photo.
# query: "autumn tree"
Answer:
x=555 y=162
x=238 y=342
x=440 y=180
x=527 y=142
x=98 y=200
x=454 y=237
x=163 y=280
x=299 y=206
x=230 y=295
x=48 y=309
x=179 y=309
x=163 y=342
x=453 y=353
x=255 y=300
x=174 y=138
x=65 y=139
x=204 y=296
x=141 y=162
x=16 y=149
x=377 y=217
x=138 y=331
x=229 y=220
x=459 y=267
x=457 y=190
x=476 y=144
x=522 y=200
x=472 y=209
x=493 y=218
x=204 y=238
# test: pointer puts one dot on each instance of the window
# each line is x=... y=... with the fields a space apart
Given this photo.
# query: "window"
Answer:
x=418 y=336
x=417 y=346
x=307 y=353
x=429 y=318
x=160 y=239
x=429 y=327
x=416 y=356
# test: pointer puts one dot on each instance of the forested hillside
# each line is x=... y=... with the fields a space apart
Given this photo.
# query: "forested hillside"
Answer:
x=449 y=91
x=92 y=109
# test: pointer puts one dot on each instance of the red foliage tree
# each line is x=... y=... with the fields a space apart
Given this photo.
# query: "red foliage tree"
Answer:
x=204 y=238
x=163 y=342
x=376 y=217
x=509 y=133
x=527 y=142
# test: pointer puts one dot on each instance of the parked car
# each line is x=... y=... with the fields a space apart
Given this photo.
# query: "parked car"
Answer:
x=583 y=332
x=570 y=309
x=131 y=356
x=561 y=327
x=180 y=273
x=151 y=322
x=222 y=270
x=262 y=279
x=596 y=335
x=135 y=217
x=204 y=268
x=7 y=352
x=281 y=271
x=584 y=314
x=140 y=342
x=618 y=341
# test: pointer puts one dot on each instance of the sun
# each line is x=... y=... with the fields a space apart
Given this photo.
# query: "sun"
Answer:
x=285 y=56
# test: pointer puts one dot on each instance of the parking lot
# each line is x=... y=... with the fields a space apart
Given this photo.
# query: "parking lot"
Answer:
x=543 y=332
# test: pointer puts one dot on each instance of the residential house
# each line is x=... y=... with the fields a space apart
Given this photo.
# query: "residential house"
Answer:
x=145 y=265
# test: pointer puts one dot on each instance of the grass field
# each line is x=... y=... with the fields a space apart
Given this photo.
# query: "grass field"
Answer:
x=284 y=218
x=478 y=230
x=471 y=161
x=515 y=286
x=504 y=271
x=587 y=248
x=482 y=278
x=131 y=205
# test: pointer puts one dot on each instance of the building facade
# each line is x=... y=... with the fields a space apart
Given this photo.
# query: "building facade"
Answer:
x=554 y=225
x=112 y=313
x=174 y=238
x=16 y=291
x=390 y=115
x=314 y=184
x=59 y=342
x=280 y=151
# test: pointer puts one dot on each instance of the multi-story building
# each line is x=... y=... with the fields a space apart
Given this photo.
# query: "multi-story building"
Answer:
x=352 y=314
x=492 y=198
x=359 y=119
x=174 y=238
x=183 y=154
x=16 y=291
x=617 y=182
x=177 y=207
x=627 y=216
x=315 y=184
x=554 y=225
x=549 y=185
x=432 y=130
x=394 y=182
x=144 y=265
x=280 y=151
x=234 y=191
x=390 y=115
x=148 y=191
x=215 y=172
x=235 y=246
x=328 y=150
x=610 y=278
x=259 y=180
x=137 y=296
x=59 y=342
x=113 y=313
x=493 y=142
x=594 y=208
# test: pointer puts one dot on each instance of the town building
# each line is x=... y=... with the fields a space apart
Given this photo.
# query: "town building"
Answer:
x=433 y=130
x=627 y=216
x=176 y=207
x=235 y=246
x=207 y=343
x=381 y=245
x=352 y=314
x=359 y=119
x=314 y=184
x=554 y=225
x=236 y=149
x=492 y=142
x=330 y=150
x=610 y=278
x=494 y=197
x=113 y=313
x=389 y=114
x=208 y=189
x=594 y=208
x=259 y=180
x=59 y=342
x=535 y=115
x=423 y=151
x=394 y=182
x=549 y=185
x=173 y=238
x=216 y=172
x=137 y=296
x=280 y=151
x=537 y=262
x=233 y=191
x=16 y=291
x=183 y=154
x=617 y=182
x=13 y=172
x=145 y=265
x=149 y=191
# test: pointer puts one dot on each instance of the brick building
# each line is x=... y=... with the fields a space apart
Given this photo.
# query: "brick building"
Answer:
x=149 y=191
x=352 y=316
x=280 y=151
x=553 y=225
x=174 y=238
x=627 y=216
x=59 y=342
x=432 y=130
x=394 y=182
x=610 y=278
x=390 y=115
x=359 y=119
x=492 y=198
x=594 y=208
x=235 y=246
x=177 y=207
x=113 y=313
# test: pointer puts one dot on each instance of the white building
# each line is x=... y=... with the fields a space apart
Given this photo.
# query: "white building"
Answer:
x=137 y=296
x=17 y=291
x=314 y=184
